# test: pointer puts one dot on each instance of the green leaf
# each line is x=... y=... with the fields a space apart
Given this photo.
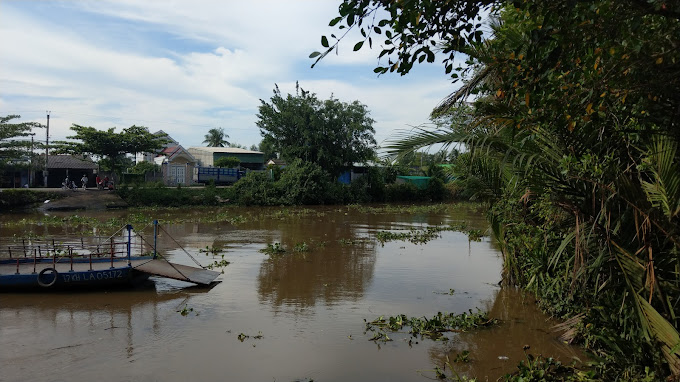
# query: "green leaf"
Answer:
x=314 y=54
x=335 y=21
x=358 y=45
x=324 y=41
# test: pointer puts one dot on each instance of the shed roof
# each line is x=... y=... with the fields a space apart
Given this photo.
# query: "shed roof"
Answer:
x=71 y=162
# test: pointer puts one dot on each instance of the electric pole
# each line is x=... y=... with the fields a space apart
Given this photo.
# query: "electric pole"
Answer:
x=47 y=148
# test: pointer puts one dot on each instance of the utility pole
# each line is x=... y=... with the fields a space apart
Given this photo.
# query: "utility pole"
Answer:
x=47 y=148
x=31 y=169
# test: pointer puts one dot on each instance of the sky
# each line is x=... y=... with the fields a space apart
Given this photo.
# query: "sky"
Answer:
x=185 y=67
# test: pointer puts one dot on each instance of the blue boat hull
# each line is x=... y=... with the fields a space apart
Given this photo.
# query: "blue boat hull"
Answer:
x=79 y=275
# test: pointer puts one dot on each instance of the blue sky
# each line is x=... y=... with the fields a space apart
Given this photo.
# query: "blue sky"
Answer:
x=187 y=66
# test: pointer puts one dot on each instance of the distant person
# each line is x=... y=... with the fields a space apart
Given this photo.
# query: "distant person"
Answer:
x=98 y=180
x=83 y=180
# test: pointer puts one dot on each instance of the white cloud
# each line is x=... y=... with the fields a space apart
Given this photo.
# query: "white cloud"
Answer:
x=222 y=58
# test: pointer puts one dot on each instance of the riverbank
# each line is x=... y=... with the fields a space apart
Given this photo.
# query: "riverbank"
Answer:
x=22 y=197
x=57 y=199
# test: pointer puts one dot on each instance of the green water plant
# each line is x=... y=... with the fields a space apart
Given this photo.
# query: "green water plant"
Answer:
x=432 y=328
x=273 y=249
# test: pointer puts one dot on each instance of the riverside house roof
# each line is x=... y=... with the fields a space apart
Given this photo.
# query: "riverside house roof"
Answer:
x=70 y=162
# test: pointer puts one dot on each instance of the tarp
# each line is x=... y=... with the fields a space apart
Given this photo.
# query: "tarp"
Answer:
x=419 y=181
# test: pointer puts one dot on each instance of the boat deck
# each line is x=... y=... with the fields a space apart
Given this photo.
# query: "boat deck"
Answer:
x=153 y=267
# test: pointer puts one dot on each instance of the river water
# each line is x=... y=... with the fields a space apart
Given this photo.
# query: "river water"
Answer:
x=298 y=316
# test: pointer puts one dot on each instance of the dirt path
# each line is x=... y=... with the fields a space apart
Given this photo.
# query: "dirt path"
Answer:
x=90 y=199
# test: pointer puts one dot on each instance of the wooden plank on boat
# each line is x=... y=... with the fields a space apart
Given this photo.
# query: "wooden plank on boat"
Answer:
x=64 y=265
x=178 y=272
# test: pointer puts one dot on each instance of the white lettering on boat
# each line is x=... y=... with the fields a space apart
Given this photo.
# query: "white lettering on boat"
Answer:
x=96 y=275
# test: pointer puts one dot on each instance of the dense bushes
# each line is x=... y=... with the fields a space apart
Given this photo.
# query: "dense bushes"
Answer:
x=16 y=198
x=158 y=195
x=306 y=183
x=300 y=183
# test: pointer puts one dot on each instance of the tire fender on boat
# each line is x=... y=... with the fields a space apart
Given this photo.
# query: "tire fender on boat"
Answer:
x=48 y=284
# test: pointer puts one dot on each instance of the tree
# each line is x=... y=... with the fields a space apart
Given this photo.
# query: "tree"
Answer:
x=331 y=133
x=216 y=138
x=110 y=146
x=266 y=146
x=142 y=168
x=227 y=162
x=13 y=145
x=573 y=139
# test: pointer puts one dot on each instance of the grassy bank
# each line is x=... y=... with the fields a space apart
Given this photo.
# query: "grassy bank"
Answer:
x=14 y=198
x=258 y=190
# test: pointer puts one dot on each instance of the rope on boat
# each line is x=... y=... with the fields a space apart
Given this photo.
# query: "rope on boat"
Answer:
x=182 y=248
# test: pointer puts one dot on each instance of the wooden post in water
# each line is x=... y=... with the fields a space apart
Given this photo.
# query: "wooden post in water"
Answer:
x=155 y=236
x=129 y=242
x=112 y=252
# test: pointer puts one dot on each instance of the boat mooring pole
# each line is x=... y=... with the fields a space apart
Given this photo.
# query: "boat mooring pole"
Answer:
x=155 y=237
x=129 y=243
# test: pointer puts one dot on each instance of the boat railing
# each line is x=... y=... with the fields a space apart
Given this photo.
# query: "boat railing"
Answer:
x=128 y=244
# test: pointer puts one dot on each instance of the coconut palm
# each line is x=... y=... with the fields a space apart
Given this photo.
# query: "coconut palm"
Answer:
x=216 y=137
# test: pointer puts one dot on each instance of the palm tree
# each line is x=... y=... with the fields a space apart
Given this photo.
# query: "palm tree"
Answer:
x=216 y=138
x=606 y=196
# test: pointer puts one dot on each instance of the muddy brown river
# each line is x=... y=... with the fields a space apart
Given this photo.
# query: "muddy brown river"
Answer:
x=298 y=316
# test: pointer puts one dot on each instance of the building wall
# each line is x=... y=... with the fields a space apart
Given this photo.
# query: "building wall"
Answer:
x=204 y=158
x=243 y=157
x=207 y=158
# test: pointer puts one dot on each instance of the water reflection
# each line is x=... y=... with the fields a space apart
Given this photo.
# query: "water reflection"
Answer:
x=79 y=331
x=309 y=306
x=495 y=352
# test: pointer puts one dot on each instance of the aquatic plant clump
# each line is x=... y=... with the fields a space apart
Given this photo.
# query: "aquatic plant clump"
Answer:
x=422 y=236
x=432 y=328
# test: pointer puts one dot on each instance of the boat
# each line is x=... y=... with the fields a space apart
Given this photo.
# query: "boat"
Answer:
x=125 y=260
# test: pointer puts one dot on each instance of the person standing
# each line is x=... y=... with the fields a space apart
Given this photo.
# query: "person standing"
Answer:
x=84 y=181
x=98 y=180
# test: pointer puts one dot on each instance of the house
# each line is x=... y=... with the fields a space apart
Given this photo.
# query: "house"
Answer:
x=206 y=156
x=72 y=166
x=277 y=162
x=177 y=165
x=149 y=157
x=356 y=171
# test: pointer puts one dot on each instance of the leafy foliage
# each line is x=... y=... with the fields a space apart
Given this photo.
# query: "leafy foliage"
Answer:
x=573 y=139
x=144 y=167
x=216 y=138
x=13 y=142
x=330 y=133
x=110 y=146
x=227 y=162
x=413 y=30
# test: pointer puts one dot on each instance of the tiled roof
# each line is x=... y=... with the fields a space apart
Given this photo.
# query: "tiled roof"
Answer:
x=70 y=161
